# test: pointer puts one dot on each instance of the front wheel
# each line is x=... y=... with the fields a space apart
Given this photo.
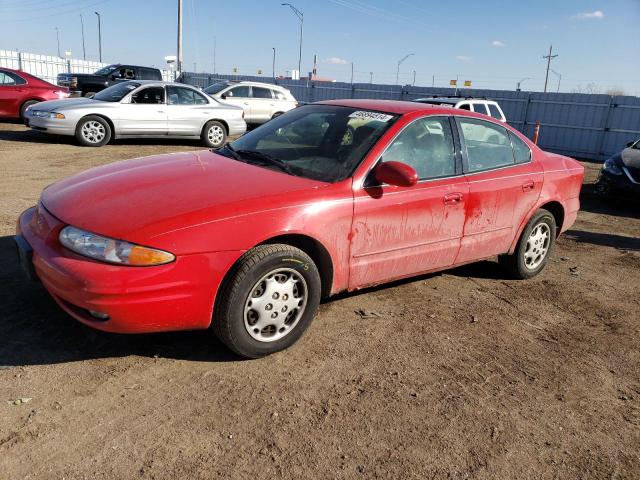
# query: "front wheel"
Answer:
x=214 y=135
x=268 y=300
x=93 y=131
x=534 y=247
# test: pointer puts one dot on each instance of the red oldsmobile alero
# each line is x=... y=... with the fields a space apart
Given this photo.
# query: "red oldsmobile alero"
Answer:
x=20 y=90
x=331 y=196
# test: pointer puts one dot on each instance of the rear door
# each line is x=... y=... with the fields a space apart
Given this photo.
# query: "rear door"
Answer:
x=403 y=231
x=262 y=104
x=12 y=90
x=499 y=189
x=240 y=95
x=144 y=114
x=187 y=111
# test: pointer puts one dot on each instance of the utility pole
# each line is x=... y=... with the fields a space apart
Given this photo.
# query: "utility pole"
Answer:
x=273 y=64
x=214 y=53
x=300 y=16
x=179 y=55
x=99 y=37
x=549 y=58
x=414 y=78
x=84 y=53
x=351 y=73
x=370 y=77
x=400 y=63
x=559 y=78
x=433 y=81
x=58 y=40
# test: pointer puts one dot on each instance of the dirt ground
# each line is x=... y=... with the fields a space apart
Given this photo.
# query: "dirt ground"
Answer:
x=545 y=383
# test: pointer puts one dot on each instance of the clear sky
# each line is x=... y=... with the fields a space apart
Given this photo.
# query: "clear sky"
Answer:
x=493 y=43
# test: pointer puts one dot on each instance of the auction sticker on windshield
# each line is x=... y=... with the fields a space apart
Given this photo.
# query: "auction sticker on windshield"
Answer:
x=365 y=115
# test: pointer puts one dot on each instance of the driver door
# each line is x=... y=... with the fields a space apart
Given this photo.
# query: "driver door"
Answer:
x=404 y=231
x=240 y=96
x=144 y=112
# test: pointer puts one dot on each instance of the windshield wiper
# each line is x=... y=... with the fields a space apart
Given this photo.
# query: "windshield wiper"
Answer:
x=232 y=151
x=265 y=158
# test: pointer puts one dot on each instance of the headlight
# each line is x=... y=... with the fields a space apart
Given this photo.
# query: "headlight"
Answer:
x=43 y=114
x=110 y=250
x=611 y=167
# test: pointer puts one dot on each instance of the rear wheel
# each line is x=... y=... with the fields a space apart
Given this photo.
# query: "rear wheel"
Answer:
x=93 y=131
x=214 y=135
x=534 y=247
x=26 y=105
x=268 y=301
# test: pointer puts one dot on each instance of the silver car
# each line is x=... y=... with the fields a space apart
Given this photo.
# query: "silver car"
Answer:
x=140 y=109
x=261 y=101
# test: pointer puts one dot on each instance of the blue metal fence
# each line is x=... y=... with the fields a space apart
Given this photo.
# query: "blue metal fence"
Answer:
x=587 y=126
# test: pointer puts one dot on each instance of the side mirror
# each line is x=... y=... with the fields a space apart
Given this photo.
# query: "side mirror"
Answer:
x=223 y=96
x=630 y=144
x=395 y=173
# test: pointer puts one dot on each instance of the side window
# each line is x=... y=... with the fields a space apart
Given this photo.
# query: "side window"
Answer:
x=480 y=108
x=279 y=95
x=238 y=92
x=521 y=151
x=427 y=146
x=259 y=92
x=180 y=96
x=494 y=112
x=11 y=79
x=151 y=95
x=464 y=106
x=488 y=145
x=199 y=99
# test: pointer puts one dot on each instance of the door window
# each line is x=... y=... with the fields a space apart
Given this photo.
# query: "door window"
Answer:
x=11 y=79
x=464 y=106
x=480 y=108
x=259 y=92
x=487 y=144
x=238 y=92
x=151 y=95
x=521 y=151
x=494 y=112
x=279 y=95
x=427 y=146
x=185 y=96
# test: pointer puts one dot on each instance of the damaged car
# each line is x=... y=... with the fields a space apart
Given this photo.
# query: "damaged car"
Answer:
x=329 y=197
x=620 y=174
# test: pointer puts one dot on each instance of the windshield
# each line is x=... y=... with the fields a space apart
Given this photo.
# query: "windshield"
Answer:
x=106 y=70
x=215 y=88
x=321 y=142
x=636 y=146
x=116 y=93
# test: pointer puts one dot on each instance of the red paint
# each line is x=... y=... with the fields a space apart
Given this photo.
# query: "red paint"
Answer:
x=13 y=97
x=208 y=210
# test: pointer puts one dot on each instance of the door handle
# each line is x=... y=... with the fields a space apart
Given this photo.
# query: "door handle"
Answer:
x=160 y=111
x=528 y=185
x=246 y=103
x=452 y=198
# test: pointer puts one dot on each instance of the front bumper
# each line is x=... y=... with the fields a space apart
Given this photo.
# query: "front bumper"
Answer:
x=176 y=296
x=56 y=126
x=617 y=185
x=237 y=127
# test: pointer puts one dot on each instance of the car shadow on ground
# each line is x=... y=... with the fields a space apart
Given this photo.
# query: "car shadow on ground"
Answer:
x=35 y=331
x=605 y=239
x=616 y=207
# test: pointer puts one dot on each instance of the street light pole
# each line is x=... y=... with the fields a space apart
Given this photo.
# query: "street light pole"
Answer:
x=300 y=16
x=400 y=63
x=84 y=53
x=273 y=66
x=179 y=55
x=559 y=78
x=58 y=40
x=518 y=86
x=99 y=37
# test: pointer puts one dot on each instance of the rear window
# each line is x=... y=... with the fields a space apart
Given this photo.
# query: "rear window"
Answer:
x=521 y=151
x=494 y=112
x=259 y=92
x=480 y=108
x=10 y=78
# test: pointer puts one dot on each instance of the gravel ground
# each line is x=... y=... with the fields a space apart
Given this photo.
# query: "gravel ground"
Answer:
x=462 y=374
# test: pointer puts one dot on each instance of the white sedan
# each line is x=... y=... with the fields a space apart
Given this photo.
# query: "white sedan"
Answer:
x=137 y=109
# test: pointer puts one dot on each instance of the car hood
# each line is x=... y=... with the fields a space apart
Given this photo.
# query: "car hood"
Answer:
x=140 y=199
x=630 y=157
x=65 y=104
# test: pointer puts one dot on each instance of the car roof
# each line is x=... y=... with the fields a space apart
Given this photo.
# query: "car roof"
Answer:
x=453 y=100
x=399 y=107
x=247 y=82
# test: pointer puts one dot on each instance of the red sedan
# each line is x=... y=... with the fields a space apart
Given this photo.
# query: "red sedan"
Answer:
x=19 y=90
x=331 y=196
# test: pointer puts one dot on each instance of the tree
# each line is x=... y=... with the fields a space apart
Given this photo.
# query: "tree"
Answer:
x=616 y=91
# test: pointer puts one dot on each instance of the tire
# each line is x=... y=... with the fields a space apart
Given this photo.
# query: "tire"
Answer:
x=214 y=135
x=93 y=131
x=24 y=107
x=276 y=115
x=268 y=281
x=529 y=257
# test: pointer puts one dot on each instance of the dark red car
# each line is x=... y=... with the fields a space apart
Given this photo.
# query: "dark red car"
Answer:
x=328 y=197
x=19 y=90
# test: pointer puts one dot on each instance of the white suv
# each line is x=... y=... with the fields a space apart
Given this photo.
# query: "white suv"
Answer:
x=480 y=105
x=261 y=101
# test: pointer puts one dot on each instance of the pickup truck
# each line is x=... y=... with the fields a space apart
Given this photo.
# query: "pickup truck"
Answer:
x=88 y=84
